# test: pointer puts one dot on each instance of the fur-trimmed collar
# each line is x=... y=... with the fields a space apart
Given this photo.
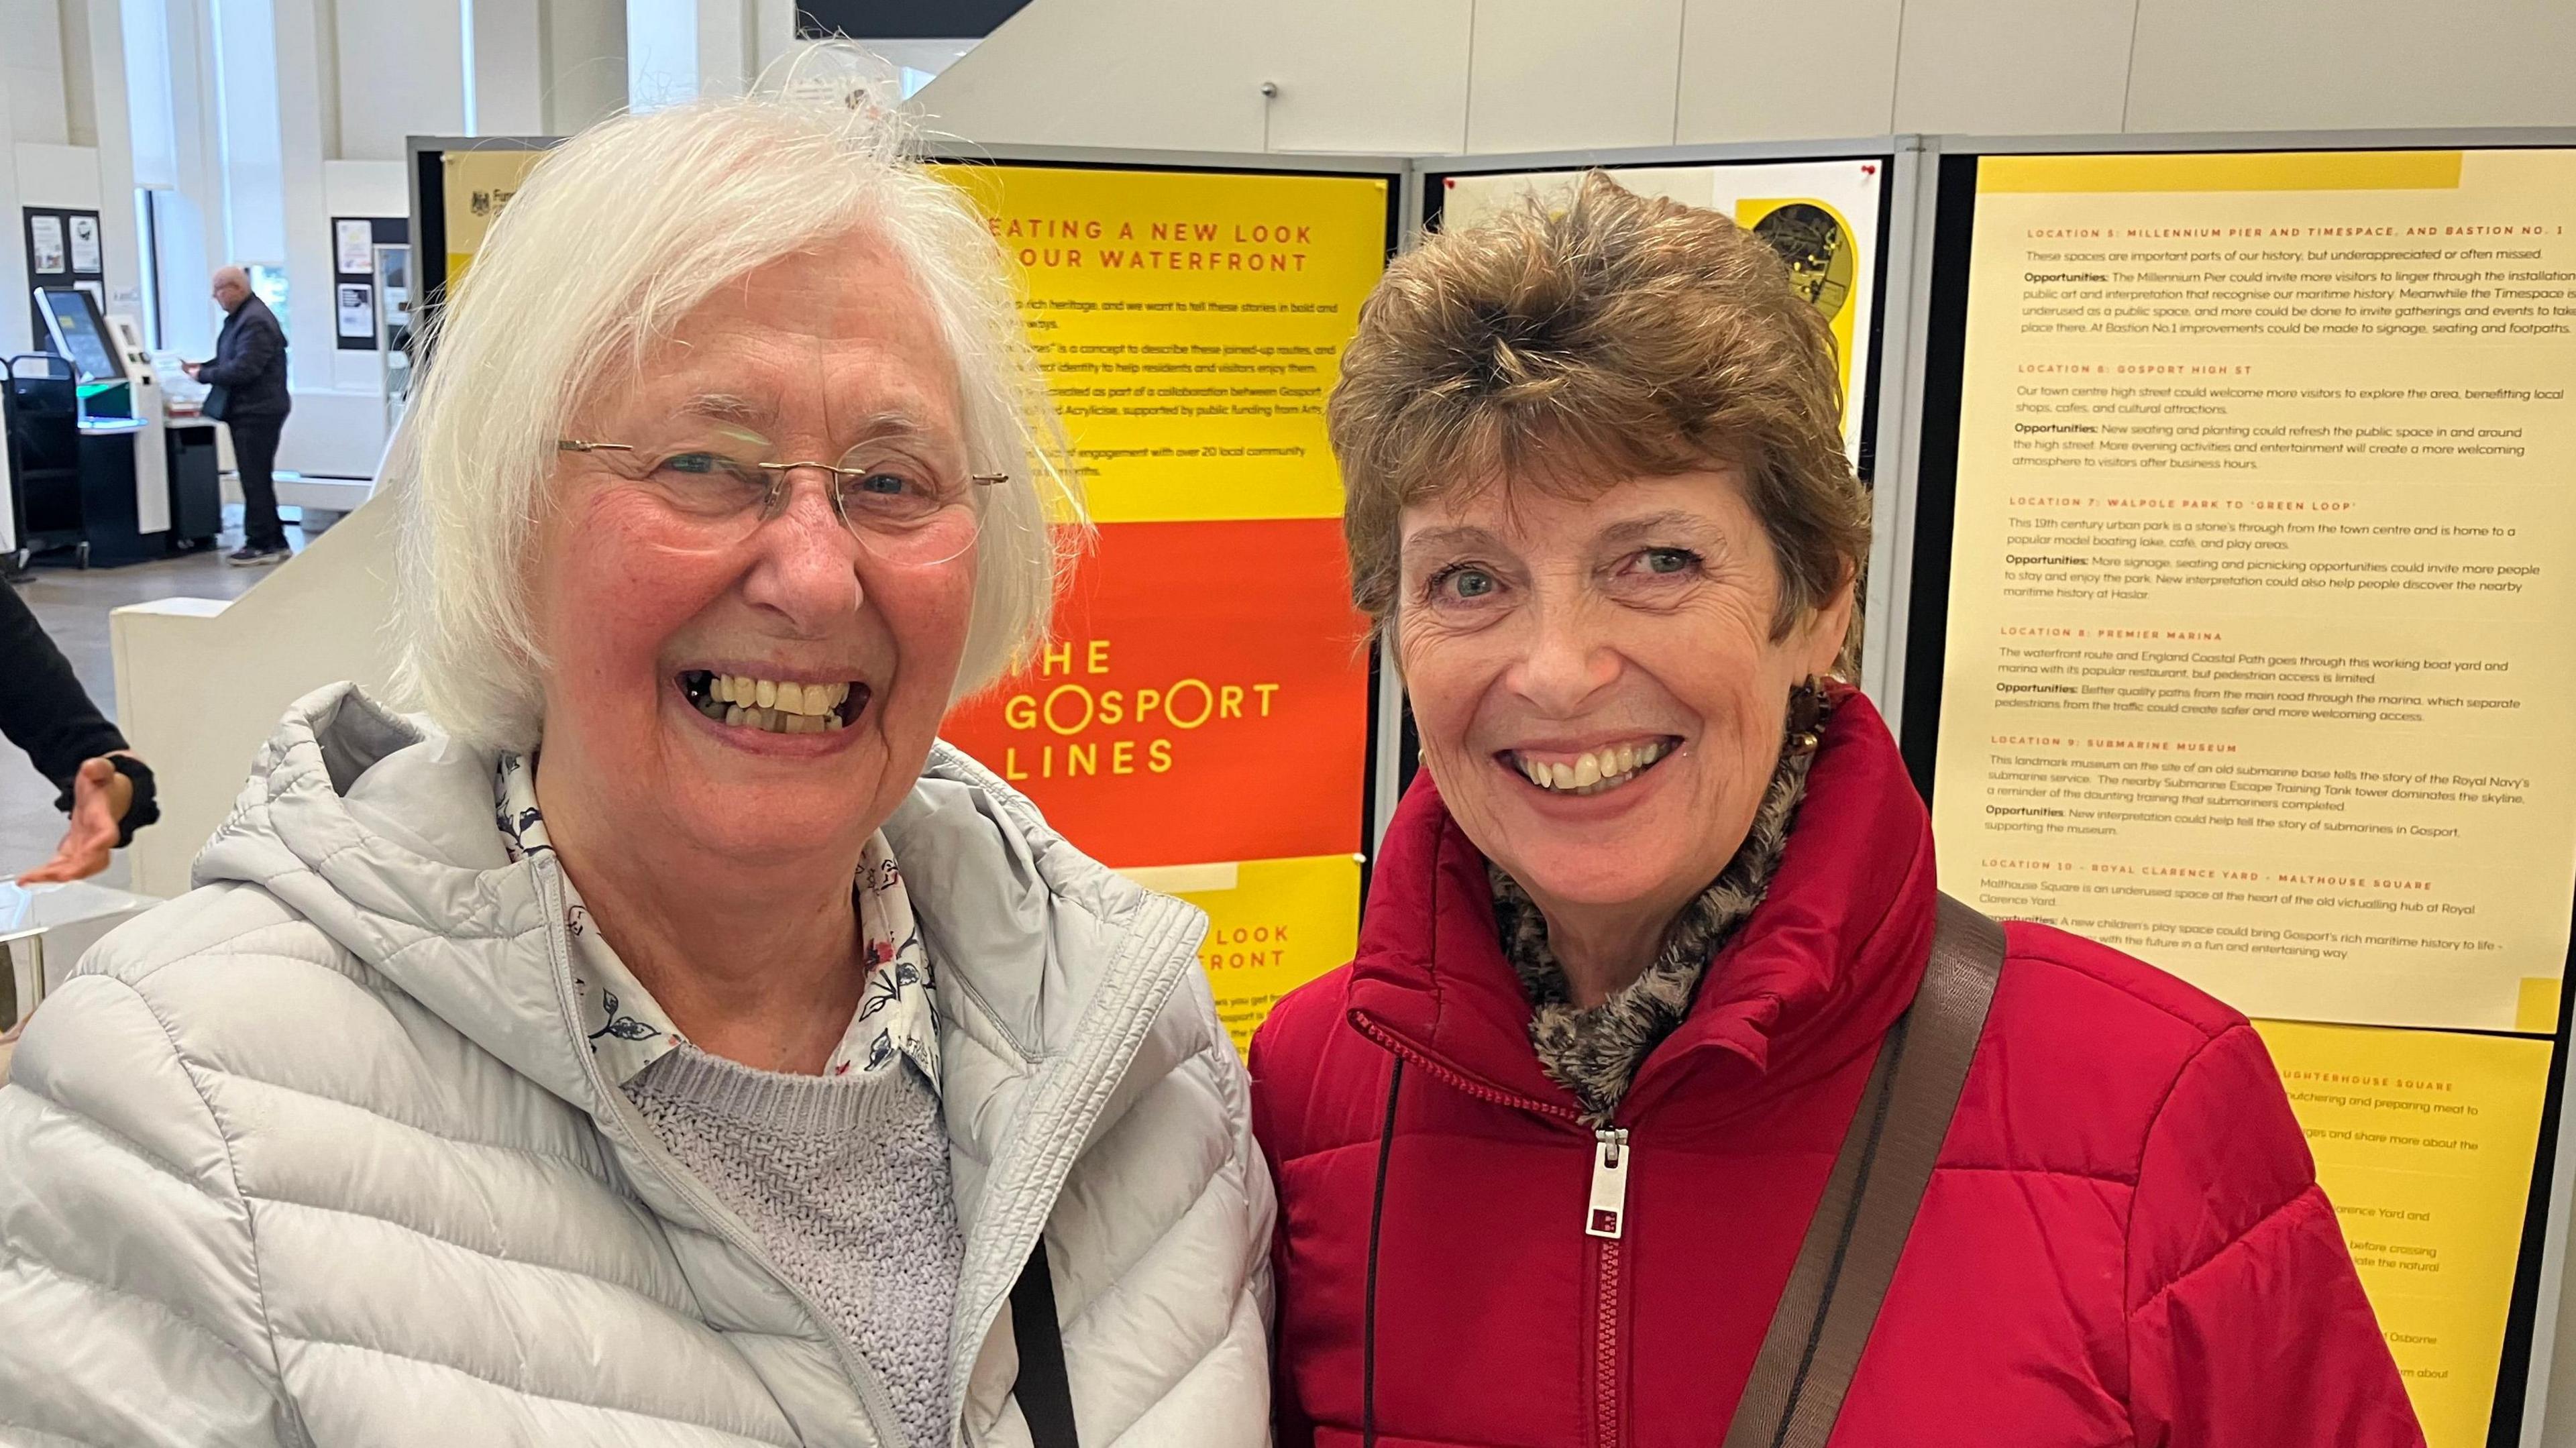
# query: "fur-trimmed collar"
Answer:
x=1595 y=1053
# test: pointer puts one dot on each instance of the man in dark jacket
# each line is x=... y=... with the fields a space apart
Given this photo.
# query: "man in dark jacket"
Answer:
x=246 y=391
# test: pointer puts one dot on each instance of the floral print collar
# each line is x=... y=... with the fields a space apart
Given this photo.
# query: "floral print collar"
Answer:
x=898 y=1015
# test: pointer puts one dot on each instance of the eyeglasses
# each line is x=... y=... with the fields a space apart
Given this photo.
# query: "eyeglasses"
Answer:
x=901 y=512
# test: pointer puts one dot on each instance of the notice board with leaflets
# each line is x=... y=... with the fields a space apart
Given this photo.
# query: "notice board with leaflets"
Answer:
x=2242 y=636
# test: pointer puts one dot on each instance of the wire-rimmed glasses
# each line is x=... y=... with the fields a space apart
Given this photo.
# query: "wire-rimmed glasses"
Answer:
x=901 y=511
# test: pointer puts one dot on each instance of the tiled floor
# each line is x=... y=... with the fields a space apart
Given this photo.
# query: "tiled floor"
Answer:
x=73 y=605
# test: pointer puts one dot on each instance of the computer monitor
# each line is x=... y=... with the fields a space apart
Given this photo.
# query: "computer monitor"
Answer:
x=79 y=333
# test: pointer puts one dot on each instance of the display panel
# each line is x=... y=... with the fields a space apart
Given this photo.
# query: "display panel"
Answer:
x=1190 y=325
x=2241 y=641
x=72 y=321
x=475 y=185
x=459 y=187
x=2258 y=633
x=1824 y=218
x=1205 y=698
x=2423 y=1141
x=1273 y=925
x=1203 y=716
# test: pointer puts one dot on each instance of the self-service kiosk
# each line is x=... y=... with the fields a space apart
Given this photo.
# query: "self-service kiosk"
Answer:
x=146 y=481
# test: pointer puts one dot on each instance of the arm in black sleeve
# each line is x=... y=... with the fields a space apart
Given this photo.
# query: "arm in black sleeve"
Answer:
x=260 y=342
x=44 y=710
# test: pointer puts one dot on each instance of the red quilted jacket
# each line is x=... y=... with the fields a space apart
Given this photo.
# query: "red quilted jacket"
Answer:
x=2124 y=1242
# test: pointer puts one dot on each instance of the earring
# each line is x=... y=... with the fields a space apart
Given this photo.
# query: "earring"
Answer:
x=1806 y=717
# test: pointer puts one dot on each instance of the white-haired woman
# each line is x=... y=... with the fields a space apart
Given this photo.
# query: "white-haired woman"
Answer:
x=669 y=1043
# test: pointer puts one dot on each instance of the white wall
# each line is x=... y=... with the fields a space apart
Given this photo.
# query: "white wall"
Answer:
x=31 y=68
x=200 y=683
x=585 y=63
x=506 y=94
x=100 y=52
x=361 y=188
x=80 y=98
x=1510 y=75
x=677 y=50
x=13 y=249
x=195 y=241
x=1352 y=75
x=2209 y=64
x=661 y=51
x=53 y=175
x=401 y=73
x=365 y=188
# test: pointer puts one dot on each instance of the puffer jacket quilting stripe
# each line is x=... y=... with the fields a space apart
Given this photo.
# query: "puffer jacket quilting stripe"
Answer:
x=315 y=1155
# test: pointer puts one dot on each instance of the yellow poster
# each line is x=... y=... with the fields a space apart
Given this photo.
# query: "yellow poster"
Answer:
x=477 y=184
x=1190 y=325
x=2260 y=638
x=2424 y=1143
x=1821 y=216
x=1273 y=925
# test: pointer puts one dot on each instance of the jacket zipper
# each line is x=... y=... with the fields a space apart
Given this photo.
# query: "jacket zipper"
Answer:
x=1448 y=1075
x=1605 y=1218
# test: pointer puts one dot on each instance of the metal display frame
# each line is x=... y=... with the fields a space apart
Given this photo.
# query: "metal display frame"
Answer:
x=2531 y=1327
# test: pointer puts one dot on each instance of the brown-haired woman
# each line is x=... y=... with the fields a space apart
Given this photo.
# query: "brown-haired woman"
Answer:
x=1621 y=1118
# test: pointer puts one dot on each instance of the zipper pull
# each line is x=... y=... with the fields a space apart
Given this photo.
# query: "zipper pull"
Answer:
x=1609 y=1210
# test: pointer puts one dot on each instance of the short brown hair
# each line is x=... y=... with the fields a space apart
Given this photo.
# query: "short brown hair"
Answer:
x=1620 y=336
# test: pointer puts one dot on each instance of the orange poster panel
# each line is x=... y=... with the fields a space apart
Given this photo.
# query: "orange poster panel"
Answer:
x=1206 y=698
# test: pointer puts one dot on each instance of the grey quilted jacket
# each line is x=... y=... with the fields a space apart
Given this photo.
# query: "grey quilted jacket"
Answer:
x=317 y=1154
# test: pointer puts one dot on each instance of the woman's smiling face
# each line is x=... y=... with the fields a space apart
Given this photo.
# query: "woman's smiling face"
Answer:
x=1618 y=645
x=646 y=604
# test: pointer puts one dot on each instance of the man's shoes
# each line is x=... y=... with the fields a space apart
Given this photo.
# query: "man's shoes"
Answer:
x=250 y=557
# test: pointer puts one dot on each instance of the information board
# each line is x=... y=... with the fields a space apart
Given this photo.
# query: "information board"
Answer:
x=1203 y=719
x=459 y=187
x=2253 y=650
x=476 y=185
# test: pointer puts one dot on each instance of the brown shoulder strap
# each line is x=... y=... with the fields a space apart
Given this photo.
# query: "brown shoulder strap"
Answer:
x=1859 y=1229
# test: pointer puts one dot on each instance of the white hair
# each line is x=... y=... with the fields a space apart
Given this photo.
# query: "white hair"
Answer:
x=615 y=237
